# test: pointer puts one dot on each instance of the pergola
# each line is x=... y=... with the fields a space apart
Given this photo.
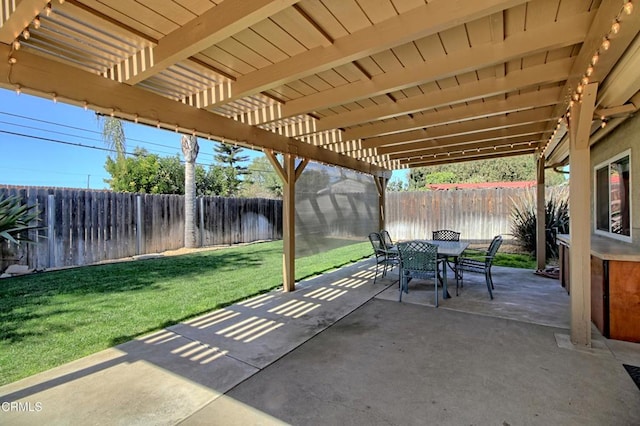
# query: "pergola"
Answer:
x=370 y=85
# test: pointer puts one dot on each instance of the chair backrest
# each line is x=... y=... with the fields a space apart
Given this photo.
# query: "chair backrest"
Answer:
x=418 y=256
x=386 y=238
x=445 y=235
x=493 y=248
x=377 y=243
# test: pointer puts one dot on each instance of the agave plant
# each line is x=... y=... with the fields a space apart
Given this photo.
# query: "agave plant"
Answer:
x=16 y=219
x=524 y=221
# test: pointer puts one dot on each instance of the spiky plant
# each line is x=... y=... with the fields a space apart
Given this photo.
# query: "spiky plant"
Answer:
x=524 y=220
x=16 y=219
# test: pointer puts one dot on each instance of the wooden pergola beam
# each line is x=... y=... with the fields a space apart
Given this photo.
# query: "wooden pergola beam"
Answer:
x=500 y=135
x=43 y=77
x=13 y=21
x=549 y=37
x=514 y=103
x=551 y=72
x=437 y=15
x=464 y=128
x=218 y=23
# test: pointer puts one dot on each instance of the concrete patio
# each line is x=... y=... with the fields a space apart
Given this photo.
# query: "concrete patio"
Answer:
x=341 y=350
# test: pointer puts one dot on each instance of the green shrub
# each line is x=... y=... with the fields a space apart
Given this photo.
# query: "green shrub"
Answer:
x=16 y=219
x=523 y=220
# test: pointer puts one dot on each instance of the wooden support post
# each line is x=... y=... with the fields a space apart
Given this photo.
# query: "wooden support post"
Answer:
x=288 y=218
x=381 y=185
x=579 y=219
x=288 y=173
x=541 y=237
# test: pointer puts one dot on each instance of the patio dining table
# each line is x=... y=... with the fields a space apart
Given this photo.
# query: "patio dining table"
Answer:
x=448 y=250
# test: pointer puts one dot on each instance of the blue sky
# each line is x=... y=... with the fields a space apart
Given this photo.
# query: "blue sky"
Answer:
x=40 y=142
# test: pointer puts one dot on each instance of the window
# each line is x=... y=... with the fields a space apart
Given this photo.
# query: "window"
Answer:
x=612 y=197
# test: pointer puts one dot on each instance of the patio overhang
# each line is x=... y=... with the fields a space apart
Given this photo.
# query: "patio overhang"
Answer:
x=370 y=86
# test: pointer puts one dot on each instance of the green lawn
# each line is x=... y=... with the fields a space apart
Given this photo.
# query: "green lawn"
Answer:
x=52 y=318
x=515 y=260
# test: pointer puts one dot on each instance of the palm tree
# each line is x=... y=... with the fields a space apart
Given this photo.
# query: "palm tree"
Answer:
x=190 y=151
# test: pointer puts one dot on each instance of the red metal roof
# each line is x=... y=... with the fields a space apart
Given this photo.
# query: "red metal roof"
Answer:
x=482 y=185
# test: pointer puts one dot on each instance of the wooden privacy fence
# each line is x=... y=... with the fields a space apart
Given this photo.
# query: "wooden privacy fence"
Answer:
x=478 y=214
x=80 y=227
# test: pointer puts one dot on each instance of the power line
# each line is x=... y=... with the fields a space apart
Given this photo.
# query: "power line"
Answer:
x=77 y=144
x=79 y=129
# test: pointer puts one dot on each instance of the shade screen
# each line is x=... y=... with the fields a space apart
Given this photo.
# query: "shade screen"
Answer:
x=334 y=207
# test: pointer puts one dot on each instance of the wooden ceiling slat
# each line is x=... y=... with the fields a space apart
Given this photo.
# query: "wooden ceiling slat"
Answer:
x=117 y=16
x=238 y=50
x=534 y=60
x=333 y=78
x=323 y=18
x=539 y=12
x=171 y=11
x=480 y=30
x=349 y=14
x=225 y=61
x=297 y=27
x=387 y=61
x=408 y=55
x=276 y=35
x=261 y=45
x=315 y=82
x=144 y=17
x=455 y=39
x=403 y=6
x=378 y=10
x=197 y=7
x=515 y=20
x=430 y=48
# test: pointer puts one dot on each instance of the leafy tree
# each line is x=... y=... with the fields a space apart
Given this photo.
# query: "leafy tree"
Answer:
x=396 y=185
x=507 y=169
x=149 y=173
x=261 y=180
x=440 y=177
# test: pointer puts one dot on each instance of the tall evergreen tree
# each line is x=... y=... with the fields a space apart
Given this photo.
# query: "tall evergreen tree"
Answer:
x=231 y=156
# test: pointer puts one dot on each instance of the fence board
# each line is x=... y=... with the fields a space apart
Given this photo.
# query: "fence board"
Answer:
x=92 y=226
x=478 y=214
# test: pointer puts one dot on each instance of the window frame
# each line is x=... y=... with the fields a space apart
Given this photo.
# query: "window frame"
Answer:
x=607 y=163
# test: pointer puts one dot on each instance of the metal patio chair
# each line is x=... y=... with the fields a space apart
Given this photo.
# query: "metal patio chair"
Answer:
x=445 y=235
x=386 y=258
x=418 y=259
x=480 y=261
x=386 y=239
x=449 y=235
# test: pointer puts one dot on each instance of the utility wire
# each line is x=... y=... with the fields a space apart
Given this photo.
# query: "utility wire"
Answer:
x=77 y=144
x=79 y=129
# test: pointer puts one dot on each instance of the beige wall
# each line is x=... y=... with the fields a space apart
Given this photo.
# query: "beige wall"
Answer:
x=626 y=136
